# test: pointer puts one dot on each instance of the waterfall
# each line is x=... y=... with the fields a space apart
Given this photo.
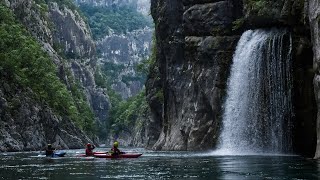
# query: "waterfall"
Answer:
x=258 y=108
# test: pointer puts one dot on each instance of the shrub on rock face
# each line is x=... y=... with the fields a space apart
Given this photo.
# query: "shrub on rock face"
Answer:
x=273 y=12
x=259 y=7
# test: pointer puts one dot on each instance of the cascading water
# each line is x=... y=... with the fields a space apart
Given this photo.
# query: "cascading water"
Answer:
x=258 y=109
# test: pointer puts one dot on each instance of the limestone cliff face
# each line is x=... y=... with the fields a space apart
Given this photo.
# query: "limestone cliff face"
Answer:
x=195 y=44
x=73 y=36
x=29 y=125
x=194 y=52
x=142 y=6
x=126 y=51
x=66 y=38
x=70 y=32
x=120 y=53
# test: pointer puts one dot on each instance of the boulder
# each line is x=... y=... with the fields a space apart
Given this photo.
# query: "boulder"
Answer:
x=208 y=19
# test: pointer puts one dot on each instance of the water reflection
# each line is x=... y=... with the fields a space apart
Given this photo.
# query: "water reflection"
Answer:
x=158 y=165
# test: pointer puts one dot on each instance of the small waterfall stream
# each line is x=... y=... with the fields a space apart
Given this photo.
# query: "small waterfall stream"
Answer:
x=258 y=108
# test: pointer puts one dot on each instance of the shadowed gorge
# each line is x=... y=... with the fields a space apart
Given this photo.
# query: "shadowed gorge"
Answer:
x=159 y=89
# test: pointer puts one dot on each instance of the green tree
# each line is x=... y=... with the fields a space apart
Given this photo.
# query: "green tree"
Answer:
x=24 y=64
x=120 y=20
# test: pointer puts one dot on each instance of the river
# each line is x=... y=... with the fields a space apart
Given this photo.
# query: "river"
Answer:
x=158 y=165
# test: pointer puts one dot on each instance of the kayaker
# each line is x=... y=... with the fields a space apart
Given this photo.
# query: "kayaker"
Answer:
x=49 y=150
x=115 y=151
x=89 y=149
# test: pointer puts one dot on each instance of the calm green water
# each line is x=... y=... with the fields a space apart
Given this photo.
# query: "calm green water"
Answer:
x=158 y=165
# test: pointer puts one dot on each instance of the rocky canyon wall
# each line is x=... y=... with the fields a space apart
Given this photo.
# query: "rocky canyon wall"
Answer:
x=121 y=50
x=142 y=6
x=66 y=38
x=195 y=44
x=123 y=33
x=194 y=52
x=125 y=52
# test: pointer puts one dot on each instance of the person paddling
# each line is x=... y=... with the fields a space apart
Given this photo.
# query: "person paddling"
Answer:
x=115 y=151
x=50 y=150
x=89 y=149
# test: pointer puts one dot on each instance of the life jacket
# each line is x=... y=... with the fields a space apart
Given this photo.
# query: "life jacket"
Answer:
x=115 y=151
x=89 y=152
x=49 y=151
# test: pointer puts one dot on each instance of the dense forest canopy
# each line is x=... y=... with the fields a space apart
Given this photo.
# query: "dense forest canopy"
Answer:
x=119 y=20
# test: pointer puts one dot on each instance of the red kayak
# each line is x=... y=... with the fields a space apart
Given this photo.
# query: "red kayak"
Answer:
x=99 y=152
x=84 y=155
x=117 y=156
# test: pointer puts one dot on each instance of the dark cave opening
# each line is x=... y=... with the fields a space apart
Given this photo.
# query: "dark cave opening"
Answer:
x=305 y=108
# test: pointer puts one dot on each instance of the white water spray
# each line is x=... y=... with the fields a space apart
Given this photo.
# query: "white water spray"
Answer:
x=258 y=109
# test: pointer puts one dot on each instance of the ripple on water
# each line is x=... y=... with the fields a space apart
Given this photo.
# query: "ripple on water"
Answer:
x=122 y=177
x=160 y=165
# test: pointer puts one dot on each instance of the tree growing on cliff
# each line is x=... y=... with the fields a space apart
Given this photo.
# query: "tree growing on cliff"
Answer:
x=103 y=20
x=24 y=64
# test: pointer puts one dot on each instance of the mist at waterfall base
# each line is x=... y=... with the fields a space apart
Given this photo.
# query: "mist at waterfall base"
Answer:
x=258 y=107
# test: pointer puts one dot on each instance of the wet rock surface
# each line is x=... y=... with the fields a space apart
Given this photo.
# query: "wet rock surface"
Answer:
x=195 y=43
x=194 y=57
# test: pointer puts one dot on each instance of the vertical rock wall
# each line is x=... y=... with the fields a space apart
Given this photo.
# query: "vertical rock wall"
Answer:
x=121 y=52
x=194 y=52
x=126 y=51
x=142 y=6
x=195 y=44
